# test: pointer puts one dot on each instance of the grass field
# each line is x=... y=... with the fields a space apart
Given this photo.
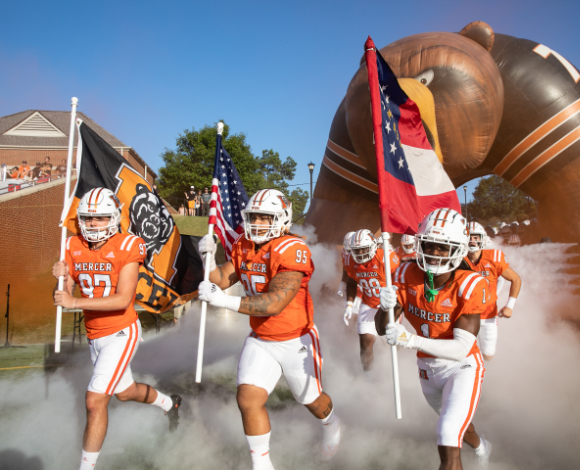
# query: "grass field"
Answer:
x=191 y=225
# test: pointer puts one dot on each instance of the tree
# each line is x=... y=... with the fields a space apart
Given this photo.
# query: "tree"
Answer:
x=191 y=163
x=495 y=198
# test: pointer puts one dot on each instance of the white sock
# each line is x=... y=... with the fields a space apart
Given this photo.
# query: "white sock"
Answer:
x=481 y=449
x=88 y=460
x=330 y=435
x=162 y=401
x=260 y=451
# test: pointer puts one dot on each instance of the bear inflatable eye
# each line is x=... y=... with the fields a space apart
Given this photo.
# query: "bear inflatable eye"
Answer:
x=425 y=77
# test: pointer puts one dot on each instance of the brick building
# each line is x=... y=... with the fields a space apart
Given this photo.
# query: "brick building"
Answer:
x=33 y=135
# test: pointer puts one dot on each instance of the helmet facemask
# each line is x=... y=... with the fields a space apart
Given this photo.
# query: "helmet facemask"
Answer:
x=476 y=245
x=261 y=233
x=442 y=264
x=97 y=234
x=363 y=254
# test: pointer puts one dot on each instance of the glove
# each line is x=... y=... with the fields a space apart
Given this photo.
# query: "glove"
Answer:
x=212 y=294
x=388 y=297
x=341 y=289
x=397 y=335
x=356 y=305
x=207 y=245
x=348 y=312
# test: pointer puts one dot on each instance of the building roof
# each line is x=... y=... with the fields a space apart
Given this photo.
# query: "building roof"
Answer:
x=49 y=129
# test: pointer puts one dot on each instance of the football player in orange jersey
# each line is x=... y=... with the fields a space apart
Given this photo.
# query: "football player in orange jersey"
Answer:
x=492 y=265
x=368 y=274
x=274 y=267
x=348 y=264
x=443 y=301
x=406 y=251
x=105 y=264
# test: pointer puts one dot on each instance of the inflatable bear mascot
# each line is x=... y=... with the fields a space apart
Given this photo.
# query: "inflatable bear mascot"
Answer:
x=490 y=103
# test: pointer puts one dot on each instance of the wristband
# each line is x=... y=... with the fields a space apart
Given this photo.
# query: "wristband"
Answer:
x=511 y=302
x=349 y=303
x=232 y=303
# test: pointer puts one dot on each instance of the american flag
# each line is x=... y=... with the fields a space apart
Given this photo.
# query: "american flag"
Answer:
x=228 y=199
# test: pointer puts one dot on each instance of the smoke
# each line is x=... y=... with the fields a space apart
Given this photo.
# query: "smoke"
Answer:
x=528 y=408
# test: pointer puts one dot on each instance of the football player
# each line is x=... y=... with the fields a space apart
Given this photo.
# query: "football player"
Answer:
x=368 y=274
x=406 y=251
x=105 y=264
x=274 y=267
x=346 y=260
x=492 y=265
x=443 y=303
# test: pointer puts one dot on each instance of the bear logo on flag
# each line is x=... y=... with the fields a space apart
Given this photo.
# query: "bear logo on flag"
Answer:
x=150 y=219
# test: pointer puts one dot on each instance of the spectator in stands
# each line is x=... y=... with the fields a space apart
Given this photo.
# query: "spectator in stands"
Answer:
x=198 y=204
x=13 y=172
x=190 y=197
x=61 y=169
x=205 y=198
x=46 y=168
x=23 y=170
x=35 y=172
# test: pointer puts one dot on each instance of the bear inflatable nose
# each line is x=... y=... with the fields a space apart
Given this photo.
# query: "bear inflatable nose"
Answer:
x=423 y=98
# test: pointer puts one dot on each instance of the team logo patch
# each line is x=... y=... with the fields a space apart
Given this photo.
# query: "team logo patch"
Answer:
x=120 y=333
x=423 y=374
x=375 y=266
x=266 y=256
x=110 y=255
x=466 y=366
x=150 y=219
x=487 y=265
x=77 y=253
x=412 y=292
x=303 y=349
x=446 y=303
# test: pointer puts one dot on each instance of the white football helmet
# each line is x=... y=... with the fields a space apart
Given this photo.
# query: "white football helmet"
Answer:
x=475 y=228
x=408 y=243
x=505 y=231
x=346 y=242
x=269 y=202
x=363 y=246
x=445 y=227
x=514 y=240
x=99 y=202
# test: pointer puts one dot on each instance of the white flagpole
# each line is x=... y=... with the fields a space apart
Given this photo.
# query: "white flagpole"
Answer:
x=394 y=357
x=201 y=342
x=71 y=137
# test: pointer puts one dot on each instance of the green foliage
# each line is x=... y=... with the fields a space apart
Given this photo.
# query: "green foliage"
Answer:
x=191 y=163
x=495 y=199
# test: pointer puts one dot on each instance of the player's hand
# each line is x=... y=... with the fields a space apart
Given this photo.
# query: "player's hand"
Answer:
x=64 y=299
x=207 y=245
x=388 y=297
x=347 y=312
x=60 y=268
x=397 y=335
x=209 y=292
x=505 y=312
x=341 y=289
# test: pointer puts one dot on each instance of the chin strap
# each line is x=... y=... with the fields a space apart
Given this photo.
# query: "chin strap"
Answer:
x=431 y=292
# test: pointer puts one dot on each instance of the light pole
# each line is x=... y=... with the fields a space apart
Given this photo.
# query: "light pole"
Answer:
x=465 y=192
x=311 y=168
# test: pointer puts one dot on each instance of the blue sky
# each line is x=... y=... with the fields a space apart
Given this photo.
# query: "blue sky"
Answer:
x=276 y=71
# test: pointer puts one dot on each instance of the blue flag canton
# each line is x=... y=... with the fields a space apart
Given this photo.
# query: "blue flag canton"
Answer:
x=232 y=192
x=392 y=96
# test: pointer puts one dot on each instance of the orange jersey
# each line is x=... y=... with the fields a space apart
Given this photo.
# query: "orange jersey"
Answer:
x=491 y=264
x=370 y=276
x=97 y=274
x=255 y=269
x=466 y=293
x=404 y=257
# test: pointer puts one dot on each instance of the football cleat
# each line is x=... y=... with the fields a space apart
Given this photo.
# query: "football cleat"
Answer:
x=173 y=413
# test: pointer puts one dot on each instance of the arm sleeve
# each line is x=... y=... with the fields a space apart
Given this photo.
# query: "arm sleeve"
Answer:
x=455 y=349
x=296 y=257
x=137 y=252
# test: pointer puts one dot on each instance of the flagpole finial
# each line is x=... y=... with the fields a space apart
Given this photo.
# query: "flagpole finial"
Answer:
x=220 y=128
x=74 y=101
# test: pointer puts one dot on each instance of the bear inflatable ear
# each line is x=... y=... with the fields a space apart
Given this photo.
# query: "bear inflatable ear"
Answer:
x=479 y=32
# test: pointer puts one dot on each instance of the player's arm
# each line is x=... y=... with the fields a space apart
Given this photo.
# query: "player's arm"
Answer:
x=516 y=284
x=120 y=300
x=351 y=289
x=382 y=318
x=224 y=276
x=282 y=289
